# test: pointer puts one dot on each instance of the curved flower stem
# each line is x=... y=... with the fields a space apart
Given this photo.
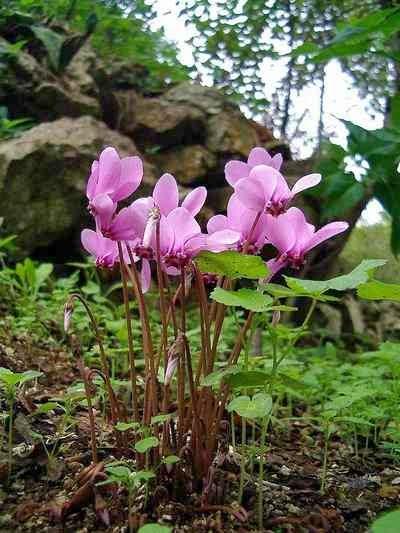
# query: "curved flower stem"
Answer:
x=83 y=374
x=163 y=309
x=147 y=339
x=115 y=412
x=132 y=366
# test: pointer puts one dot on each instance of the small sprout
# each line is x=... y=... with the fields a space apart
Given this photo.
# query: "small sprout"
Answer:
x=68 y=310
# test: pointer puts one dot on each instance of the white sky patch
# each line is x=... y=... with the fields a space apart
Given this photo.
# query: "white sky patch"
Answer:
x=341 y=99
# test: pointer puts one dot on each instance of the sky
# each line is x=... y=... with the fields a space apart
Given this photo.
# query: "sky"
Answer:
x=341 y=99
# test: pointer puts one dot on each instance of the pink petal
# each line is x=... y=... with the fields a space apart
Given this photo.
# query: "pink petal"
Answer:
x=92 y=181
x=90 y=241
x=109 y=170
x=165 y=194
x=259 y=156
x=194 y=201
x=277 y=161
x=103 y=208
x=268 y=176
x=131 y=176
x=275 y=265
x=222 y=240
x=145 y=275
x=282 y=191
x=250 y=192
x=280 y=233
x=236 y=170
x=217 y=223
x=142 y=206
x=167 y=237
x=195 y=244
x=306 y=182
x=125 y=225
x=183 y=225
x=326 y=232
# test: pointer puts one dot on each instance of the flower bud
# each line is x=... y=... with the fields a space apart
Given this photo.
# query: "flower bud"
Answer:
x=68 y=310
x=151 y=225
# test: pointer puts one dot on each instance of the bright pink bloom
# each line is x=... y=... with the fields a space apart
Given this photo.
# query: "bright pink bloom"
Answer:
x=166 y=196
x=266 y=190
x=181 y=239
x=293 y=237
x=105 y=251
x=112 y=179
x=236 y=170
x=240 y=220
x=118 y=178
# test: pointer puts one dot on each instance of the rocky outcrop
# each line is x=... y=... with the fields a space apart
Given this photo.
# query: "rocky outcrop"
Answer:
x=43 y=177
x=188 y=130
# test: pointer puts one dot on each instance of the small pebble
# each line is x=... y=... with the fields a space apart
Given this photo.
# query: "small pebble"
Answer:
x=285 y=471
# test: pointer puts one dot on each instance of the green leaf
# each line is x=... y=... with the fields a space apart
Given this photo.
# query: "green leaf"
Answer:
x=378 y=290
x=247 y=298
x=142 y=446
x=257 y=407
x=215 y=378
x=388 y=523
x=125 y=426
x=356 y=277
x=46 y=408
x=232 y=264
x=154 y=528
x=17 y=378
x=52 y=42
x=160 y=419
x=248 y=378
x=171 y=460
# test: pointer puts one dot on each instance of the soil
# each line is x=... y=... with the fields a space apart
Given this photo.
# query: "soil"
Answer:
x=56 y=494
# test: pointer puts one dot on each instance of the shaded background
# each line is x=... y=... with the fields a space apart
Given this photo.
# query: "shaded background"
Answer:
x=188 y=85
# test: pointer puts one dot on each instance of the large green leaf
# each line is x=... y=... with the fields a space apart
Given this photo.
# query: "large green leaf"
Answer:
x=144 y=445
x=154 y=528
x=360 y=274
x=52 y=42
x=388 y=523
x=378 y=290
x=17 y=378
x=232 y=264
x=247 y=298
x=257 y=407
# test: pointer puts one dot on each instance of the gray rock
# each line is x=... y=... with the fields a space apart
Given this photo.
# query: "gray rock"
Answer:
x=43 y=178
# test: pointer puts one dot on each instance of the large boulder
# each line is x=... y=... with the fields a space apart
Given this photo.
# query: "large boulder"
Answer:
x=43 y=177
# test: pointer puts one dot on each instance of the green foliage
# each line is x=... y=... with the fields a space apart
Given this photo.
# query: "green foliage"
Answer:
x=247 y=298
x=388 y=523
x=259 y=406
x=10 y=380
x=359 y=275
x=116 y=30
x=10 y=128
x=144 y=445
x=232 y=264
x=377 y=290
x=154 y=528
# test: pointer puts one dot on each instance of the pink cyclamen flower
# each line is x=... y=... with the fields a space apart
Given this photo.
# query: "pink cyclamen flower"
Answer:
x=112 y=179
x=166 y=196
x=266 y=190
x=104 y=251
x=181 y=239
x=293 y=237
x=241 y=220
x=236 y=170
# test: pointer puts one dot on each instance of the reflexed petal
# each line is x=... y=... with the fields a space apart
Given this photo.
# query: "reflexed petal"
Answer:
x=165 y=194
x=236 y=170
x=222 y=240
x=280 y=233
x=183 y=225
x=131 y=176
x=167 y=237
x=109 y=170
x=125 y=225
x=195 y=244
x=145 y=275
x=259 y=156
x=326 y=232
x=142 y=206
x=92 y=181
x=103 y=208
x=306 y=182
x=282 y=191
x=275 y=265
x=268 y=176
x=217 y=223
x=277 y=161
x=194 y=201
x=91 y=242
x=251 y=193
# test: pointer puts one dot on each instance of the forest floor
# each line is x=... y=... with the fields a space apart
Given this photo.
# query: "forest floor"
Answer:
x=52 y=486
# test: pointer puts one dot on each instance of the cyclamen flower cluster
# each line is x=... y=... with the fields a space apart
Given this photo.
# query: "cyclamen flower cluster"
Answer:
x=258 y=213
